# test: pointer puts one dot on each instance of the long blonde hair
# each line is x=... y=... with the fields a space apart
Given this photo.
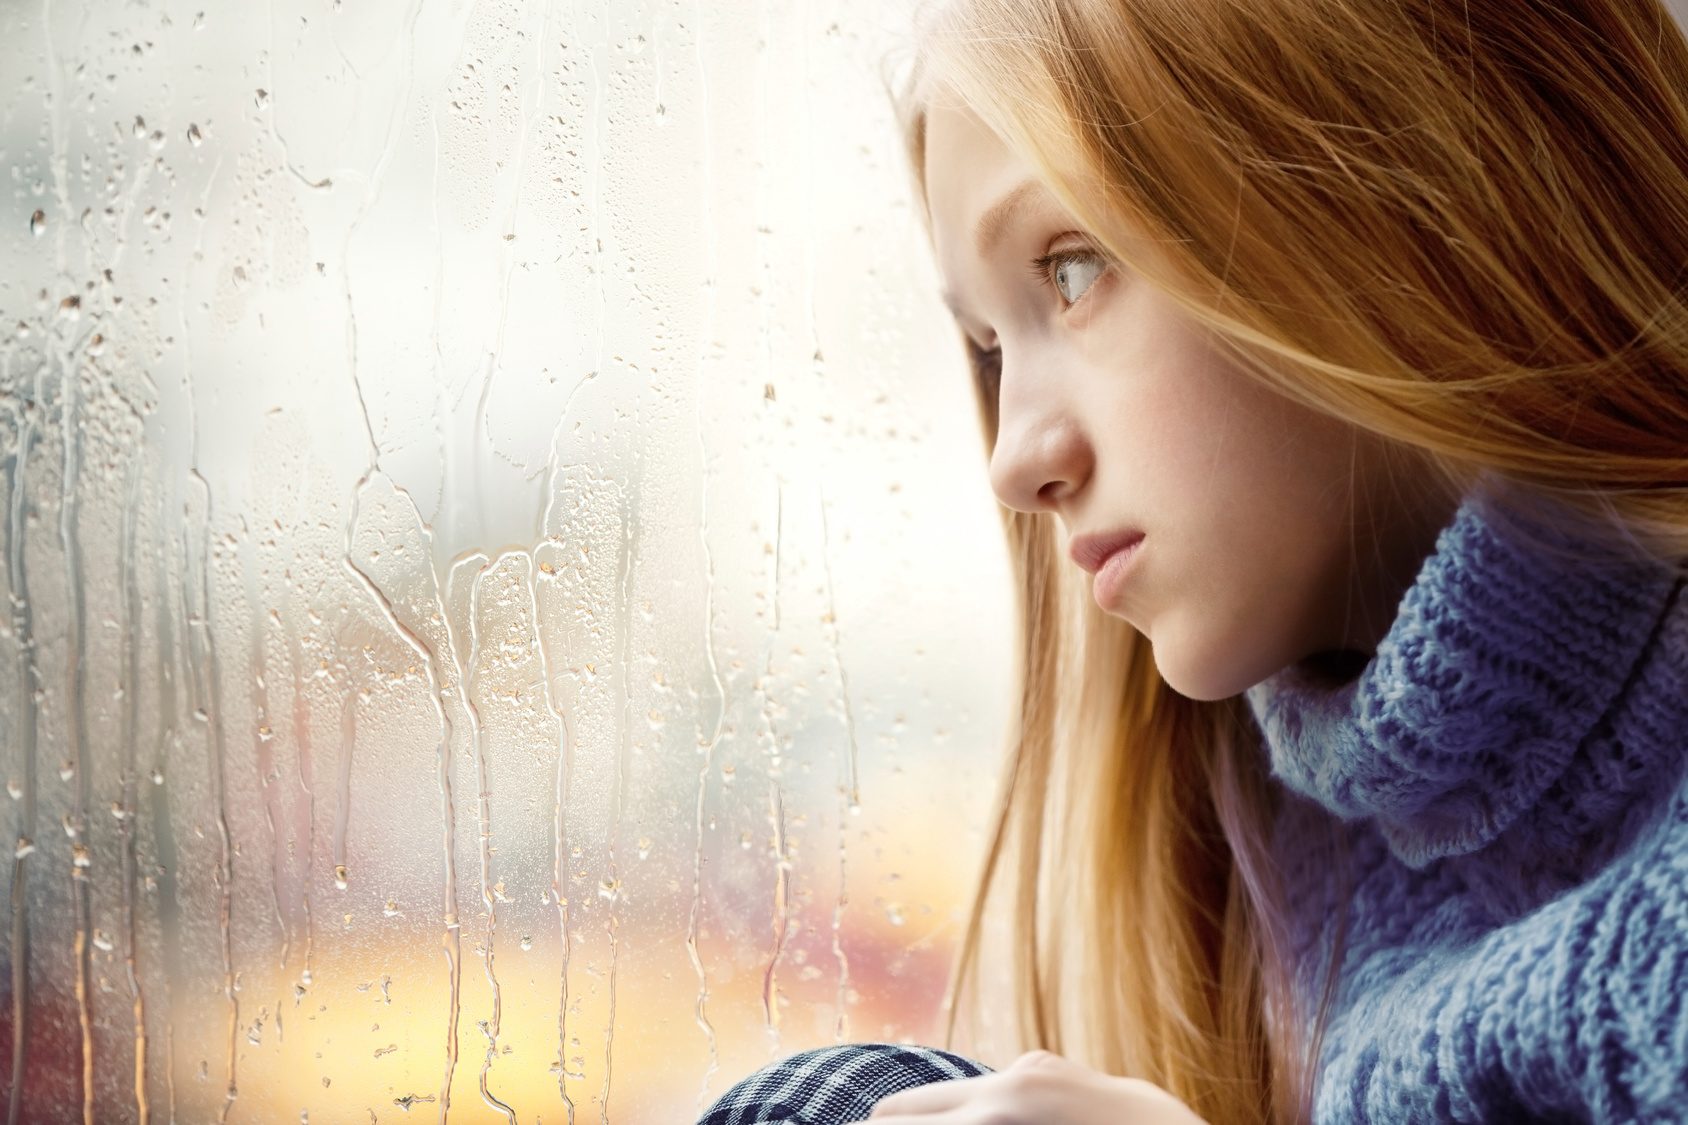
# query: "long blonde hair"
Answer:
x=1460 y=226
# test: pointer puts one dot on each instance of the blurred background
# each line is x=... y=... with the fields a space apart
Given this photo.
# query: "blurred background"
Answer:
x=504 y=613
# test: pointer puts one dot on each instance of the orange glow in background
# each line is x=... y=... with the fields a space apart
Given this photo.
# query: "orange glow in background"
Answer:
x=494 y=530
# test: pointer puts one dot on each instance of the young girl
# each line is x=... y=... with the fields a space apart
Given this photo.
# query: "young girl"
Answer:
x=1333 y=357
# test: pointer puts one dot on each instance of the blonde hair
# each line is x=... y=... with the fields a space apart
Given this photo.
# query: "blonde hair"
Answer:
x=1460 y=226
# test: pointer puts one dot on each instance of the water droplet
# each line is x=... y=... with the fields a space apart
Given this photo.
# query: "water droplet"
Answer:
x=644 y=847
x=118 y=811
x=261 y=98
x=69 y=825
x=13 y=789
x=194 y=137
x=38 y=224
x=139 y=128
x=71 y=307
x=265 y=733
x=102 y=941
x=80 y=856
x=156 y=141
x=96 y=346
x=305 y=977
x=26 y=846
x=158 y=777
x=340 y=876
x=392 y=910
x=527 y=942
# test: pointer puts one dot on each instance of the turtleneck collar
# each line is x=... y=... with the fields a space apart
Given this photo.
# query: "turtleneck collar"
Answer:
x=1511 y=646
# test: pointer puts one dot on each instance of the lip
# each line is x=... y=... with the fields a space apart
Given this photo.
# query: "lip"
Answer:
x=1090 y=552
x=1107 y=555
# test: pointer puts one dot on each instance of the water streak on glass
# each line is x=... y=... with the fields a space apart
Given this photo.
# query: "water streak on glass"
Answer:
x=504 y=615
x=706 y=742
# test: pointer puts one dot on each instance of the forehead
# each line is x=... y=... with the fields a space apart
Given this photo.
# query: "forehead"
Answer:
x=977 y=188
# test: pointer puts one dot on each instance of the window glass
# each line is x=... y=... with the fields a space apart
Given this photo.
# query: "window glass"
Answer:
x=504 y=606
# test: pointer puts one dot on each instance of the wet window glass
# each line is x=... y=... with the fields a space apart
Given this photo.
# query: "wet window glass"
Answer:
x=504 y=614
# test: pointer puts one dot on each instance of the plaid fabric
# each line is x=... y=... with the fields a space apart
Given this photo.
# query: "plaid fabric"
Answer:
x=835 y=1084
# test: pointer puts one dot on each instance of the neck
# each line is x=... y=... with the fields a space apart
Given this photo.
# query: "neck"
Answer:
x=1513 y=642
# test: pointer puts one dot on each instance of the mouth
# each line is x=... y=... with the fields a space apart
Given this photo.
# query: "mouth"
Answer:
x=1107 y=556
x=1092 y=552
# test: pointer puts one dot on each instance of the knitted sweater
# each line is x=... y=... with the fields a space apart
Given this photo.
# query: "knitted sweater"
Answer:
x=1510 y=766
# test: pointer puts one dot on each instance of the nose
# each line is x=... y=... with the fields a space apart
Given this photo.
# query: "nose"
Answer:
x=1042 y=456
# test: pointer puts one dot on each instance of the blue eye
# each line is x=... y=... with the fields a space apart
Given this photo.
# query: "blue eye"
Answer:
x=1072 y=276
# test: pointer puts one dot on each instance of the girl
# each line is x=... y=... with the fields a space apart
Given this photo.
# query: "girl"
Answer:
x=1333 y=358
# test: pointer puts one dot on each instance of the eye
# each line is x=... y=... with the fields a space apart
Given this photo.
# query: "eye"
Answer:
x=1073 y=274
x=987 y=369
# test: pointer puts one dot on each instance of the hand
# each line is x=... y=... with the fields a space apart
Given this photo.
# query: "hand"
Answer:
x=1038 y=1089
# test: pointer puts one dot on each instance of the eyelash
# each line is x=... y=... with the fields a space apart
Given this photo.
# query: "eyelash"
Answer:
x=1044 y=268
x=987 y=367
x=986 y=362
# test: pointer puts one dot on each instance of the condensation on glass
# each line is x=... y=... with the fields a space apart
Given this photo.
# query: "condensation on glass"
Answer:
x=504 y=613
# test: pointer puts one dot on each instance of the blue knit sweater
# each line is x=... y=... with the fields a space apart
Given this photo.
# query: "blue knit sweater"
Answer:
x=1511 y=770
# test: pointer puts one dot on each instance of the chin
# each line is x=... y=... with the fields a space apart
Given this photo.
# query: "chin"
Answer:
x=1203 y=689
x=1207 y=673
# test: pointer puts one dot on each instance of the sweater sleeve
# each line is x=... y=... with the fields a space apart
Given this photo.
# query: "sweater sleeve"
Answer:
x=1577 y=1011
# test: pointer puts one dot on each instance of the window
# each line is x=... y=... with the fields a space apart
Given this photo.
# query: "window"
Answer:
x=504 y=599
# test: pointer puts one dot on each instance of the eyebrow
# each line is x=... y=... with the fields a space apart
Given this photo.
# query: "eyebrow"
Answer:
x=994 y=223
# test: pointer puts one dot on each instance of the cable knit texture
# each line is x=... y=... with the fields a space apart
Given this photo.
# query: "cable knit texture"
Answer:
x=1515 y=887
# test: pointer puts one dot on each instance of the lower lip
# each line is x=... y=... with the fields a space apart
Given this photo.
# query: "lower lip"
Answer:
x=1113 y=574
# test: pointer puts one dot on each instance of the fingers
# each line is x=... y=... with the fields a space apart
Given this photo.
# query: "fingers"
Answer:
x=1038 y=1089
x=937 y=1097
x=941 y=1097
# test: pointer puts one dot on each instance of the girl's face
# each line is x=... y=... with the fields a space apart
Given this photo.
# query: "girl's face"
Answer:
x=1237 y=530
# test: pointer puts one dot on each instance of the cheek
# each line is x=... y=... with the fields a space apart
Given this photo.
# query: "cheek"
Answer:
x=1205 y=443
x=1246 y=498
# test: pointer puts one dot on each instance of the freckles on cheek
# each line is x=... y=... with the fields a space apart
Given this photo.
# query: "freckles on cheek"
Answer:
x=1182 y=432
x=1200 y=449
